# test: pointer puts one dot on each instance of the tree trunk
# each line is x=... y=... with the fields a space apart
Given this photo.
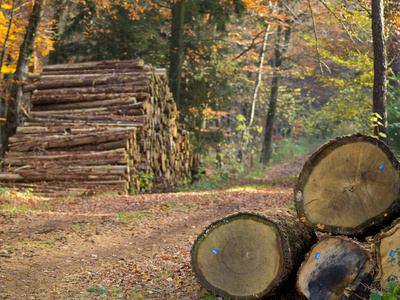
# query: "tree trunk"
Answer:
x=175 y=53
x=61 y=8
x=336 y=268
x=14 y=88
x=393 y=47
x=257 y=84
x=348 y=186
x=387 y=254
x=248 y=256
x=10 y=22
x=380 y=69
x=281 y=48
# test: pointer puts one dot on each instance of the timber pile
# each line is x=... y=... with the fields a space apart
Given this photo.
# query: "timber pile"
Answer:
x=347 y=193
x=99 y=126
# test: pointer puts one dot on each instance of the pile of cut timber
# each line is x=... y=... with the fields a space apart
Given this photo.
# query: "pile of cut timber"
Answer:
x=99 y=126
x=347 y=194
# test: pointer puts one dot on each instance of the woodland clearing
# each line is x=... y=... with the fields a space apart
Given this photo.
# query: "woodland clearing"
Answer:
x=119 y=246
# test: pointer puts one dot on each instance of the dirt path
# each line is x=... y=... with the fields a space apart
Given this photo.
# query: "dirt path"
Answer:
x=121 y=247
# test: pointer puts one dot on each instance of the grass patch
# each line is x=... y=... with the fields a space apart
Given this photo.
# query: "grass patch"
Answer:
x=252 y=187
x=16 y=201
x=98 y=290
x=212 y=297
x=207 y=183
x=15 y=209
x=134 y=216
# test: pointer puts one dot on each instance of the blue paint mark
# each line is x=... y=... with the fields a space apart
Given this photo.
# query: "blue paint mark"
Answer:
x=382 y=167
x=391 y=254
x=215 y=251
x=317 y=255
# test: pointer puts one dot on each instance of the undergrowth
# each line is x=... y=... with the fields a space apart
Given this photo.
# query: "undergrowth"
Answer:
x=220 y=167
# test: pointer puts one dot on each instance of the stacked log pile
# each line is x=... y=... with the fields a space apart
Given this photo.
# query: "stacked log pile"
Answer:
x=99 y=126
x=347 y=194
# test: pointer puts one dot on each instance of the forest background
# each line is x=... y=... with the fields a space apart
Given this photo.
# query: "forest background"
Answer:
x=255 y=81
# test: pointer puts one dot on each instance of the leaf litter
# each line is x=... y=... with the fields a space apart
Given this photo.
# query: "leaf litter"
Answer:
x=118 y=246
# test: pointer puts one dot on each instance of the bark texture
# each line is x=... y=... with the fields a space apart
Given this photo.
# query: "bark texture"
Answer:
x=380 y=69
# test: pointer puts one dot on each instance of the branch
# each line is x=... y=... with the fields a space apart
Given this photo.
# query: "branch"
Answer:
x=252 y=46
x=343 y=26
x=316 y=38
x=368 y=11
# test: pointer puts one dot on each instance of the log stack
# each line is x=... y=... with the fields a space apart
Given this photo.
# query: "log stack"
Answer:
x=348 y=193
x=99 y=126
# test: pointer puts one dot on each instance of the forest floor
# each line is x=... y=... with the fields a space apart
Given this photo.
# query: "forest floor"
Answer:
x=121 y=247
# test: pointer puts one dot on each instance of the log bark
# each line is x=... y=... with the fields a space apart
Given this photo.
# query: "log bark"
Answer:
x=66 y=142
x=114 y=89
x=95 y=65
x=91 y=104
x=349 y=186
x=336 y=268
x=82 y=82
x=138 y=94
x=248 y=256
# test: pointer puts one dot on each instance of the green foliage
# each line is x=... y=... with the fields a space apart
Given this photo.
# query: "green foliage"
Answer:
x=98 y=290
x=94 y=33
x=134 y=216
x=212 y=297
x=5 y=195
x=393 y=111
x=291 y=204
x=375 y=123
x=214 y=182
x=287 y=148
x=145 y=181
x=392 y=292
x=342 y=102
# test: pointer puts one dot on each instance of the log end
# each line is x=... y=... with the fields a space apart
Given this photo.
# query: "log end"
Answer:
x=348 y=186
x=335 y=268
x=239 y=256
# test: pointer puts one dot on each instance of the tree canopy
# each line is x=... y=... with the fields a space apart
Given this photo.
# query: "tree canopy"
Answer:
x=245 y=74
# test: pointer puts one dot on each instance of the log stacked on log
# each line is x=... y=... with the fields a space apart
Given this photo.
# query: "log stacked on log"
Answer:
x=99 y=126
x=349 y=186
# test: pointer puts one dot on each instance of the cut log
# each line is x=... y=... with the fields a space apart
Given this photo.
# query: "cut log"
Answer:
x=336 y=268
x=139 y=95
x=91 y=104
x=114 y=89
x=248 y=256
x=348 y=186
x=83 y=82
x=387 y=255
x=94 y=65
